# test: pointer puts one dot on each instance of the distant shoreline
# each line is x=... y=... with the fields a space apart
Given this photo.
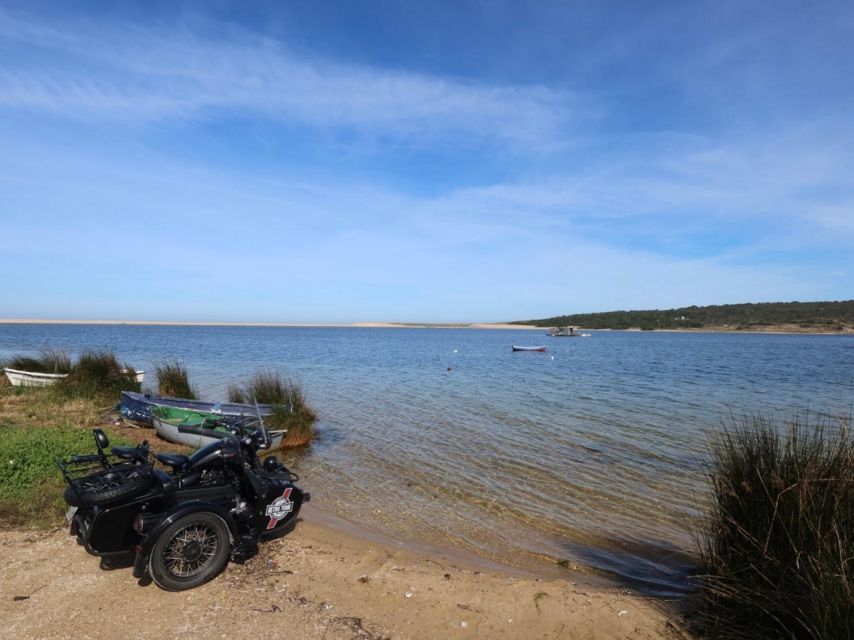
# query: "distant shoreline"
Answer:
x=771 y=329
x=374 y=325
x=833 y=317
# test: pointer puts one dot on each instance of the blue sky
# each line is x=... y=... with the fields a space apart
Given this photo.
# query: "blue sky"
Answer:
x=422 y=161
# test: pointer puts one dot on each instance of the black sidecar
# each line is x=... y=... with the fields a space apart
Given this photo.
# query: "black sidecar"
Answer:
x=183 y=526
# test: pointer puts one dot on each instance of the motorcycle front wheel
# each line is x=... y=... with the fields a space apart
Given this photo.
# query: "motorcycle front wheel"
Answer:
x=190 y=552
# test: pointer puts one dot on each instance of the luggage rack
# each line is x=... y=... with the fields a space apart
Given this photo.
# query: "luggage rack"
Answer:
x=77 y=467
x=87 y=474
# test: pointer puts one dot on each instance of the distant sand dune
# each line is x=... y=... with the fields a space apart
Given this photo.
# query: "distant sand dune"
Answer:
x=381 y=325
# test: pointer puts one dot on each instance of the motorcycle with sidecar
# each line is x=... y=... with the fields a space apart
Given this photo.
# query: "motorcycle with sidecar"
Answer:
x=182 y=526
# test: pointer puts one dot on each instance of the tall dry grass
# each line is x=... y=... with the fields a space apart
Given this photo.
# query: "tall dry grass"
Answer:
x=237 y=394
x=291 y=410
x=173 y=380
x=778 y=542
x=98 y=374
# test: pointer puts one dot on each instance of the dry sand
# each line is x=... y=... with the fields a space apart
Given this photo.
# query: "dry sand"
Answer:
x=317 y=582
x=474 y=325
x=787 y=328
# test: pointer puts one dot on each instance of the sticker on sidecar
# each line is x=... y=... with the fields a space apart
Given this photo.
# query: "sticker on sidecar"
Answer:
x=279 y=508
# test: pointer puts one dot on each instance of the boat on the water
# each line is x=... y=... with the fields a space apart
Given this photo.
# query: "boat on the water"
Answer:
x=566 y=332
x=198 y=428
x=37 y=379
x=518 y=348
x=137 y=407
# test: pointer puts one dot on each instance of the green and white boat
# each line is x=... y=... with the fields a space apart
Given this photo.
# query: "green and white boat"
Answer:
x=168 y=420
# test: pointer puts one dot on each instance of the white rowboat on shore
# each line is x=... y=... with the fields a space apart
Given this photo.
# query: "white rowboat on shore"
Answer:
x=36 y=379
x=32 y=378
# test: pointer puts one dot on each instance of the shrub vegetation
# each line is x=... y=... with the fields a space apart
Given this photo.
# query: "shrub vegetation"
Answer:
x=778 y=543
x=98 y=374
x=291 y=411
x=173 y=380
x=817 y=316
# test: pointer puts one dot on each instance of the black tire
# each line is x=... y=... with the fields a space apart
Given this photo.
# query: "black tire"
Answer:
x=129 y=485
x=175 y=565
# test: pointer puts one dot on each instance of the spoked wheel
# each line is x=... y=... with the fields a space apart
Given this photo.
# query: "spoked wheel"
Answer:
x=191 y=551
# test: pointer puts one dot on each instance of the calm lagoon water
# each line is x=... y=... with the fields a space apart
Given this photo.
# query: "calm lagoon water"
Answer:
x=592 y=452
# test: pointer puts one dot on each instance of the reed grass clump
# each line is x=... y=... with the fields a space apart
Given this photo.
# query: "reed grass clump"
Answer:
x=237 y=394
x=173 y=380
x=268 y=387
x=99 y=374
x=299 y=425
x=778 y=542
x=291 y=410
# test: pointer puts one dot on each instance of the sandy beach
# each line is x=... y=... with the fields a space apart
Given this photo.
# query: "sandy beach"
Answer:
x=375 y=325
x=772 y=329
x=318 y=582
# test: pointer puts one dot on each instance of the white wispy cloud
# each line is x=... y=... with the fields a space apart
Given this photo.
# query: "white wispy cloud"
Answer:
x=136 y=74
x=797 y=179
x=210 y=233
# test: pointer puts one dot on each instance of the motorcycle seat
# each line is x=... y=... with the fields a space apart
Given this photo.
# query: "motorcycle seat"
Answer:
x=175 y=460
x=134 y=454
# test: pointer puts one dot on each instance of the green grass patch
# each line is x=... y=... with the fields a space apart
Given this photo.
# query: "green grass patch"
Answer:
x=36 y=427
x=173 y=380
x=778 y=542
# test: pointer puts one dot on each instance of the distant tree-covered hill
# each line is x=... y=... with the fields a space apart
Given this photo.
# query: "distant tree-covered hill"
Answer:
x=815 y=316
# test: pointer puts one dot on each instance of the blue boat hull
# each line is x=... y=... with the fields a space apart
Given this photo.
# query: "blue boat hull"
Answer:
x=137 y=406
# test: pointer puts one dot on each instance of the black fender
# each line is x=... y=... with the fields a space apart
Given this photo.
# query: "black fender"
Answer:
x=143 y=549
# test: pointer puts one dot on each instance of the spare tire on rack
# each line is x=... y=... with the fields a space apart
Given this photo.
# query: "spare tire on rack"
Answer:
x=108 y=486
